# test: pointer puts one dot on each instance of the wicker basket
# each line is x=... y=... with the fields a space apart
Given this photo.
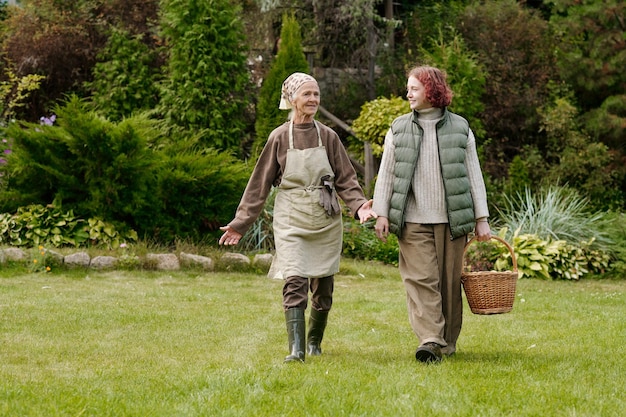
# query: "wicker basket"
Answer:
x=490 y=292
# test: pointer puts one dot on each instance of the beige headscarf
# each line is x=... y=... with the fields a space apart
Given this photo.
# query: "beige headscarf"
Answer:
x=290 y=86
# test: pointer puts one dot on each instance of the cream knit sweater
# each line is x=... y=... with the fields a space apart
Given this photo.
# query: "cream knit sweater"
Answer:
x=426 y=202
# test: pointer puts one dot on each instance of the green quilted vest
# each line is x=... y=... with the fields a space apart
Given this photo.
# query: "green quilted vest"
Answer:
x=452 y=133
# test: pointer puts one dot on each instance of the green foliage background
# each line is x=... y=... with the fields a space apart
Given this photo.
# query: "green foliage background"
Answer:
x=289 y=59
x=125 y=78
x=542 y=88
x=207 y=87
x=128 y=173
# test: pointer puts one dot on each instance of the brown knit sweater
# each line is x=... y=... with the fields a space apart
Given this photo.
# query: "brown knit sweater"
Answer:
x=271 y=163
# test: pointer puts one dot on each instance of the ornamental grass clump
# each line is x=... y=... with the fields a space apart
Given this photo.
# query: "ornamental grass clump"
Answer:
x=554 y=235
x=555 y=213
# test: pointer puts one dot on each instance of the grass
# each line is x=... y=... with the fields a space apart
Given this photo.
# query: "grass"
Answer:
x=147 y=343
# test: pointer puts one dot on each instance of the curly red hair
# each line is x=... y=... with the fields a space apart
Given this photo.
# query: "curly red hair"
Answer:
x=438 y=93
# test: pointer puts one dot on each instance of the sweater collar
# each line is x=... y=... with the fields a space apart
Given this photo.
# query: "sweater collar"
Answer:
x=432 y=113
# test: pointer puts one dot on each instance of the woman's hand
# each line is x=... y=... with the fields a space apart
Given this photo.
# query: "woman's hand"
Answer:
x=382 y=228
x=230 y=236
x=482 y=231
x=365 y=212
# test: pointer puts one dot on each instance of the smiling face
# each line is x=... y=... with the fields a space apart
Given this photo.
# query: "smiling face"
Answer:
x=416 y=93
x=305 y=102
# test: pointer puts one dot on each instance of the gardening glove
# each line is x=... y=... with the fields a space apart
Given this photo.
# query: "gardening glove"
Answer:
x=328 y=196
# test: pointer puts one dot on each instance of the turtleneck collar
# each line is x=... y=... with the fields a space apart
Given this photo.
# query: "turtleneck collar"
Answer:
x=432 y=113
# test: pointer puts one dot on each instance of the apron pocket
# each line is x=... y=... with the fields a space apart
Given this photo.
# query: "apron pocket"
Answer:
x=307 y=213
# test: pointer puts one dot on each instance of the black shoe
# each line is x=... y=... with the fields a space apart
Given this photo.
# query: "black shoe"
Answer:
x=429 y=353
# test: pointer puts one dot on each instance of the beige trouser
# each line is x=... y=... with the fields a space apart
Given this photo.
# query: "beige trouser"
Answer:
x=431 y=266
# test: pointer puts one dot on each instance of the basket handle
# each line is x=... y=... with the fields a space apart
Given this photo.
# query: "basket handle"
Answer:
x=500 y=240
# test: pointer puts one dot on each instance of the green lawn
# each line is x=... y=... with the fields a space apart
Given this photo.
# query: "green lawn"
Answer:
x=85 y=343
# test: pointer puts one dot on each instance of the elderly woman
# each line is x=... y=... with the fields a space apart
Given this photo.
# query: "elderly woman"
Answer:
x=308 y=164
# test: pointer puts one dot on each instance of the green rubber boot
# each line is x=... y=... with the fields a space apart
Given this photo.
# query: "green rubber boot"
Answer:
x=317 y=325
x=296 y=331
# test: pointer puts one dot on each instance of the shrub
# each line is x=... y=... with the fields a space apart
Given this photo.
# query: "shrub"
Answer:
x=125 y=173
x=373 y=123
x=548 y=258
x=554 y=234
x=14 y=92
x=84 y=163
x=615 y=229
x=360 y=242
x=36 y=225
x=197 y=191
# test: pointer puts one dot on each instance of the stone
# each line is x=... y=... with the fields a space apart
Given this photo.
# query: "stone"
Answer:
x=15 y=254
x=263 y=260
x=233 y=258
x=163 y=261
x=189 y=259
x=103 y=262
x=55 y=258
x=77 y=259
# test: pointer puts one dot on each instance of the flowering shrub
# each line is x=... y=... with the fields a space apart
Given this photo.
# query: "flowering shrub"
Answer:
x=5 y=148
x=128 y=259
x=47 y=121
x=39 y=261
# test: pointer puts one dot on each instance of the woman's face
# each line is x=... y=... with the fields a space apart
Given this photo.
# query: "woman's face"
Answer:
x=307 y=99
x=416 y=93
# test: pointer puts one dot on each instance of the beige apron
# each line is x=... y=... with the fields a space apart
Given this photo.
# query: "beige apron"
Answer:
x=308 y=241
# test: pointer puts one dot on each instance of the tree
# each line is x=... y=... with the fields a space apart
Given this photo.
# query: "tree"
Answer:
x=517 y=55
x=60 y=39
x=289 y=59
x=591 y=55
x=125 y=76
x=465 y=75
x=207 y=85
x=591 y=50
x=56 y=39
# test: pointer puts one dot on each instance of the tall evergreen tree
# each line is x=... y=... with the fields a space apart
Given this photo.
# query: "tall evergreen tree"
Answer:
x=125 y=77
x=207 y=81
x=290 y=59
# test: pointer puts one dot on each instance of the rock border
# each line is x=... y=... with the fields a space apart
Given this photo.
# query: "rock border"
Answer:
x=153 y=261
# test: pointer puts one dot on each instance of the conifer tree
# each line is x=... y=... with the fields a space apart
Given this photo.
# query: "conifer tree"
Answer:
x=125 y=76
x=208 y=84
x=290 y=59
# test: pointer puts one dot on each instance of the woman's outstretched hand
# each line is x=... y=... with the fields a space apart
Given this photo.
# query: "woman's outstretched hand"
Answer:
x=365 y=212
x=230 y=236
